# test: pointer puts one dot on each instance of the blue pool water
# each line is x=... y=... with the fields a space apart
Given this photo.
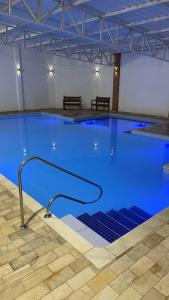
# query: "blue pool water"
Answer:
x=129 y=167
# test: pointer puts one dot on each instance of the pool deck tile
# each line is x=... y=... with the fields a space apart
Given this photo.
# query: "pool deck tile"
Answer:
x=123 y=281
x=144 y=283
x=81 y=278
x=164 y=231
x=138 y=251
x=107 y=293
x=130 y=294
x=160 y=268
x=157 y=252
x=99 y=257
x=102 y=279
x=153 y=294
x=60 y=293
x=160 y=130
x=121 y=264
x=36 y=292
x=153 y=240
x=141 y=266
x=163 y=285
x=120 y=246
x=46 y=262
x=61 y=262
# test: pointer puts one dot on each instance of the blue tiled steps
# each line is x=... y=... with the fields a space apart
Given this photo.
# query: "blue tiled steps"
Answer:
x=114 y=224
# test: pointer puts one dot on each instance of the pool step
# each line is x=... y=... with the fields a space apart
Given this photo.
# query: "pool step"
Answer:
x=87 y=233
x=107 y=233
x=122 y=219
x=111 y=223
x=140 y=212
x=114 y=224
x=132 y=216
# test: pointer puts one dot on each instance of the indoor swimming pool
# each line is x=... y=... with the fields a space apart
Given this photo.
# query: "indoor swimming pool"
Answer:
x=129 y=167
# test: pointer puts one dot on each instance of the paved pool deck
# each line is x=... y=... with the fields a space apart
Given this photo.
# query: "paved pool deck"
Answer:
x=39 y=263
x=49 y=261
x=160 y=130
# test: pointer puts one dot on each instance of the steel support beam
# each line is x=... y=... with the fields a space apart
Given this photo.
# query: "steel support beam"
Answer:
x=72 y=40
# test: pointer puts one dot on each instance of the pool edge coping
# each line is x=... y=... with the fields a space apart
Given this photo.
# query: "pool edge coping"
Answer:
x=89 y=117
x=149 y=134
x=106 y=115
x=100 y=257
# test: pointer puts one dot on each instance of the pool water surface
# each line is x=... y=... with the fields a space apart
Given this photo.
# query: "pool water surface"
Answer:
x=129 y=167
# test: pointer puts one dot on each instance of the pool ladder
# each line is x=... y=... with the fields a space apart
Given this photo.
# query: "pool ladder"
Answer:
x=48 y=214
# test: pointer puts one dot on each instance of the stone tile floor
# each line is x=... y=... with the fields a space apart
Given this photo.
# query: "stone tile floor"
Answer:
x=38 y=263
x=157 y=130
x=67 y=113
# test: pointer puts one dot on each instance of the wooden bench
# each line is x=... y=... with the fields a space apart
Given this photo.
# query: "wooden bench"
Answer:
x=101 y=102
x=71 y=101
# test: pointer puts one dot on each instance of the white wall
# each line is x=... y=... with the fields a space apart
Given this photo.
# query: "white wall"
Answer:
x=8 y=91
x=35 y=78
x=73 y=78
x=35 y=81
x=70 y=77
x=144 y=85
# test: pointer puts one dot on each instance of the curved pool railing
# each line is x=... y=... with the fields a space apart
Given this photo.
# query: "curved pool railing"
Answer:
x=48 y=215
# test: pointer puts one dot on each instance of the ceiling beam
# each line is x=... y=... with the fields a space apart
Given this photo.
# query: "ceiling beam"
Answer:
x=151 y=32
x=49 y=29
x=124 y=10
x=147 y=21
x=133 y=26
x=55 y=29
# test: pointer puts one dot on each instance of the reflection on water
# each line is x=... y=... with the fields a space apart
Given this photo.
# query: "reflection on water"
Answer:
x=127 y=166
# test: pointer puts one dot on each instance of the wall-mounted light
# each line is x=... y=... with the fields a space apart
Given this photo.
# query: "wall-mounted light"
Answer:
x=19 y=70
x=97 y=69
x=51 y=71
x=115 y=69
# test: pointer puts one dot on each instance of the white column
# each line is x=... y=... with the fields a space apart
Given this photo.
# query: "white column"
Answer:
x=19 y=77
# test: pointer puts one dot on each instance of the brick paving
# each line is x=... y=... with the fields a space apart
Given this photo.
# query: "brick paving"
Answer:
x=38 y=263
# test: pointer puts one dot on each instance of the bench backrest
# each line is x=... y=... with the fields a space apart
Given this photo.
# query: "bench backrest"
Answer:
x=72 y=99
x=103 y=99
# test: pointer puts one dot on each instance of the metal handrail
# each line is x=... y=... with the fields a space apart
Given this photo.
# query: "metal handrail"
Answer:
x=23 y=225
x=48 y=214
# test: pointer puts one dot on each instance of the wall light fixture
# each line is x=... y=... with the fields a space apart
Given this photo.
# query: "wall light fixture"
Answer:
x=97 y=69
x=51 y=70
x=115 y=69
x=19 y=70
